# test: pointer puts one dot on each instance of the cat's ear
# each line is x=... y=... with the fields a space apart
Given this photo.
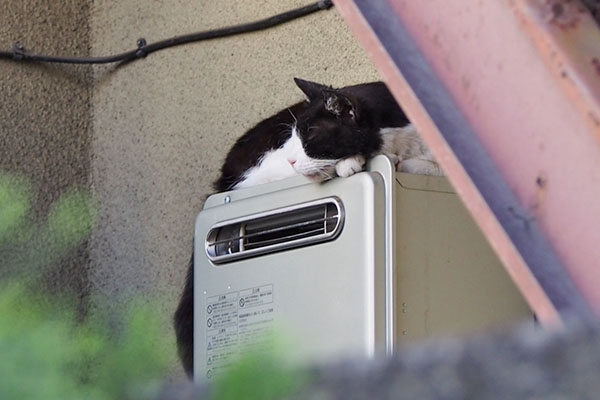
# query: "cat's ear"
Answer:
x=340 y=104
x=311 y=90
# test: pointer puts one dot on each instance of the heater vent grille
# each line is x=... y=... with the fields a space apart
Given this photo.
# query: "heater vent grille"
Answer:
x=299 y=225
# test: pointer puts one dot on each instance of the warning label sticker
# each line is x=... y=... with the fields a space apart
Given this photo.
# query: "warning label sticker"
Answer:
x=221 y=310
x=237 y=322
x=256 y=296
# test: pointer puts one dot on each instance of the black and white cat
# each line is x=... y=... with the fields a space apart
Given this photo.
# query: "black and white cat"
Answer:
x=332 y=133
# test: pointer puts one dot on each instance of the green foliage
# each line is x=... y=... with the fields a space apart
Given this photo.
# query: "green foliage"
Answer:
x=259 y=375
x=40 y=351
x=28 y=247
x=44 y=353
x=70 y=219
x=133 y=365
x=15 y=195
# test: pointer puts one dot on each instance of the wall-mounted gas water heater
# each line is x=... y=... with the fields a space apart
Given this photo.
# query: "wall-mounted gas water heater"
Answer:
x=350 y=266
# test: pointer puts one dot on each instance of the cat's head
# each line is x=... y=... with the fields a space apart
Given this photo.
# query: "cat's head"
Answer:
x=330 y=129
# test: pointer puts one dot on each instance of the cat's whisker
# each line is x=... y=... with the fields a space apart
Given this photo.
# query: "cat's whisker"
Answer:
x=328 y=175
x=293 y=116
x=287 y=125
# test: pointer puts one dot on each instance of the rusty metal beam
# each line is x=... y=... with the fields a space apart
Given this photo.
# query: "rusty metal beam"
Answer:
x=506 y=95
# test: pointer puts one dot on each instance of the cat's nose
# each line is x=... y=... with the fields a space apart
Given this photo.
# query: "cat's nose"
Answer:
x=292 y=161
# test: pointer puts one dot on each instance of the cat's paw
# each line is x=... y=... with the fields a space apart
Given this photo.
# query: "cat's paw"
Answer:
x=349 y=166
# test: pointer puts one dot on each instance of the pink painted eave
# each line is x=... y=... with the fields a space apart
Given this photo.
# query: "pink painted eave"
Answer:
x=527 y=92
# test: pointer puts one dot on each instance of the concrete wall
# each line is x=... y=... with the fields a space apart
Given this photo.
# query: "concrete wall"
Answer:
x=45 y=111
x=153 y=134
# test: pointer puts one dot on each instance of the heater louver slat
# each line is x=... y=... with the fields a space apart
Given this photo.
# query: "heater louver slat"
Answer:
x=276 y=230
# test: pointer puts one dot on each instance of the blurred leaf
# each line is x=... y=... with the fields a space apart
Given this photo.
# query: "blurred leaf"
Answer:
x=71 y=218
x=45 y=355
x=258 y=375
x=27 y=248
x=15 y=198
x=40 y=353
x=133 y=364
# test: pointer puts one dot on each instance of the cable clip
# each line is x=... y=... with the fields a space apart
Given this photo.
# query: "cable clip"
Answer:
x=18 y=52
x=141 y=43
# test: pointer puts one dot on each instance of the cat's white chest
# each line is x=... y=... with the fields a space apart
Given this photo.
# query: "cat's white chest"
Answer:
x=275 y=164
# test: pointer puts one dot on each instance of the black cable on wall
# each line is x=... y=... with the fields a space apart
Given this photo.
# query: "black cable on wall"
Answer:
x=18 y=53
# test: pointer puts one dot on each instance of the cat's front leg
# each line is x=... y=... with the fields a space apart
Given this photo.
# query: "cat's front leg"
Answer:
x=350 y=166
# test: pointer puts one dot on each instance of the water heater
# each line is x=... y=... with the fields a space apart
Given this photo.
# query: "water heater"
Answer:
x=348 y=267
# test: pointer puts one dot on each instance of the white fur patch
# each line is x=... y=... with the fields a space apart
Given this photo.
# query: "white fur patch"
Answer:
x=349 y=166
x=275 y=164
x=314 y=168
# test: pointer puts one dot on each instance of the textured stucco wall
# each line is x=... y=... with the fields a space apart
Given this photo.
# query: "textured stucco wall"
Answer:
x=163 y=125
x=45 y=111
x=149 y=137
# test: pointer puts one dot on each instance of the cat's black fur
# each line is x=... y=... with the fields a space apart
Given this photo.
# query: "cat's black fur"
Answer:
x=184 y=321
x=332 y=124
x=340 y=123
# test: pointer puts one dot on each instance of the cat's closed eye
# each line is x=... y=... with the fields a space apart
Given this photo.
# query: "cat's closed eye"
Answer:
x=312 y=133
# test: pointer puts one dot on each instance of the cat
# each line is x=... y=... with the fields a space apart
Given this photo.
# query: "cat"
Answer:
x=333 y=132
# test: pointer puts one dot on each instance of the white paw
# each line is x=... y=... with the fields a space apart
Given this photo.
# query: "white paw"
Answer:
x=349 y=166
